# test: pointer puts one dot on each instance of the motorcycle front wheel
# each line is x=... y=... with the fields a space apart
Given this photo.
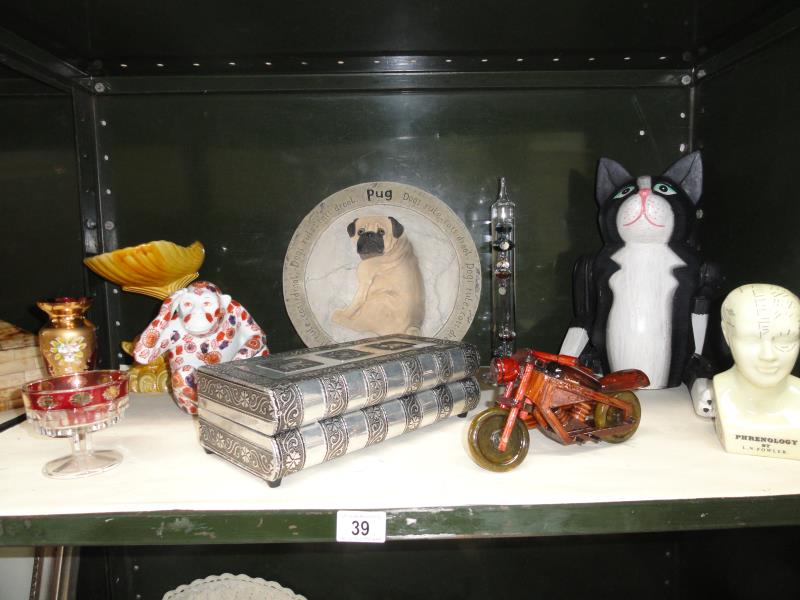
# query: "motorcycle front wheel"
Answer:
x=484 y=437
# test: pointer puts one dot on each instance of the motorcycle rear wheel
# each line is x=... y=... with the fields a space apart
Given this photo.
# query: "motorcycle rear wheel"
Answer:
x=611 y=416
x=484 y=435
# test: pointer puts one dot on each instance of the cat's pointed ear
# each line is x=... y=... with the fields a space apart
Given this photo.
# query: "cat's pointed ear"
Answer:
x=688 y=173
x=610 y=176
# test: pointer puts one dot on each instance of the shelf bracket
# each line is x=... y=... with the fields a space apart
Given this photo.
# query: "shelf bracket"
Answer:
x=32 y=61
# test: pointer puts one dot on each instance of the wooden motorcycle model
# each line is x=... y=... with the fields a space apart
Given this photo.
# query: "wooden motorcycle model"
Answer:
x=566 y=401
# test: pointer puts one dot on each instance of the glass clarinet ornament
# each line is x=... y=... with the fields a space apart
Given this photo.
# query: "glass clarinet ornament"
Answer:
x=503 y=321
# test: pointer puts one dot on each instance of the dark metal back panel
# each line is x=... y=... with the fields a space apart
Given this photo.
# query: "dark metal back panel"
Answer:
x=240 y=171
x=747 y=126
x=41 y=241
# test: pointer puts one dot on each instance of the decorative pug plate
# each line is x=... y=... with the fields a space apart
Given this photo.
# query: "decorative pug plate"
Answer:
x=381 y=258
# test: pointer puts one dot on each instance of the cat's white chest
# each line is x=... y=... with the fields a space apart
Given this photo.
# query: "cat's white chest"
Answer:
x=639 y=328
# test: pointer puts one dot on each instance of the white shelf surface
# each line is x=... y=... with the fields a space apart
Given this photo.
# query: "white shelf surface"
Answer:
x=673 y=455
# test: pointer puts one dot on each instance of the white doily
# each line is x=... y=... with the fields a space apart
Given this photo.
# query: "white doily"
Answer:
x=232 y=587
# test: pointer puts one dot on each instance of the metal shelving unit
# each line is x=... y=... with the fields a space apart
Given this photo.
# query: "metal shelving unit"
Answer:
x=240 y=118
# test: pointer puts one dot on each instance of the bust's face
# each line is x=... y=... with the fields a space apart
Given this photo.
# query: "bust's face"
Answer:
x=763 y=333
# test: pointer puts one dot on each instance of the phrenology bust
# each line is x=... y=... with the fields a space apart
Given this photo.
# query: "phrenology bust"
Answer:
x=758 y=399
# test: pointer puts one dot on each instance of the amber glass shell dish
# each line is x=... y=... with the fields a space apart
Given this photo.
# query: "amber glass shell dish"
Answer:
x=155 y=269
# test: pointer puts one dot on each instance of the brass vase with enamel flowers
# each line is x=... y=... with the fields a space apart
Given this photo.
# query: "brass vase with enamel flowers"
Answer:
x=68 y=341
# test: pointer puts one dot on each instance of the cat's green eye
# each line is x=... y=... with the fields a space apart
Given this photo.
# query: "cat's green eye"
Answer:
x=664 y=189
x=624 y=191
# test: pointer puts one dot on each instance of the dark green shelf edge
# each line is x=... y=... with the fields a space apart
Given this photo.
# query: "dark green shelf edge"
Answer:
x=225 y=527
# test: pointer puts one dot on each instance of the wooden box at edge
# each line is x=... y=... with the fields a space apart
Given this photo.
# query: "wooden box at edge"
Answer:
x=20 y=362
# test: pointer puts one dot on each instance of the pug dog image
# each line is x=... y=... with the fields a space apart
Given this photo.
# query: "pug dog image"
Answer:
x=391 y=296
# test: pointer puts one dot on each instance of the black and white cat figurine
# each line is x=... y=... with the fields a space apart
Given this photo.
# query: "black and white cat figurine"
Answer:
x=642 y=301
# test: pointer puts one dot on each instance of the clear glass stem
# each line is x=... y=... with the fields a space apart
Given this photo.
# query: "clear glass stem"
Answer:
x=83 y=460
x=81 y=443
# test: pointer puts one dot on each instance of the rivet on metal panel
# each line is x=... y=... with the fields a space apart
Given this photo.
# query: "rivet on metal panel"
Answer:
x=686 y=79
x=123 y=65
x=108 y=192
x=103 y=123
x=304 y=63
x=135 y=567
x=90 y=224
x=626 y=58
x=195 y=64
x=339 y=62
x=556 y=59
x=99 y=87
x=117 y=323
x=232 y=64
x=591 y=59
x=120 y=355
x=683 y=115
x=662 y=58
x=160 y=65
x=641 y=132
x=269 y=64
x=699 y=213
x=701 y=73
x=484 y=60
x=682 y=147
x=520 y=59
x=108 y=225
x=114 y=291
x=105 y=157
x=448 y=60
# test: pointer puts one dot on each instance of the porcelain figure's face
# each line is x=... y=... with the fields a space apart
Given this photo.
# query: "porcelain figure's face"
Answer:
x=761 y=324
x=644 y=216
x=199 y=312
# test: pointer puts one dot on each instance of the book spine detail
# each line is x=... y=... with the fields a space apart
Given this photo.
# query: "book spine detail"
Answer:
x=444 y=367
x=245 y=454
x=412 y=369
x=336 y=394
x=444 y=402
x=254 y=402
x=377 y=384
x=413 y=412
x=292 y=451
x=336 y=437
x=472 y=360
x=377 y=424
x=289 y=406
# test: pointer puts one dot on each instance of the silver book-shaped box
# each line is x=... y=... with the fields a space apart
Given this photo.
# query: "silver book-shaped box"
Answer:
x=283 y=391
x=274 y=457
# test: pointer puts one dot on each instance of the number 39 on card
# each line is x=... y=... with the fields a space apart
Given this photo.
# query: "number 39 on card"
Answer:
x=366 y=526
